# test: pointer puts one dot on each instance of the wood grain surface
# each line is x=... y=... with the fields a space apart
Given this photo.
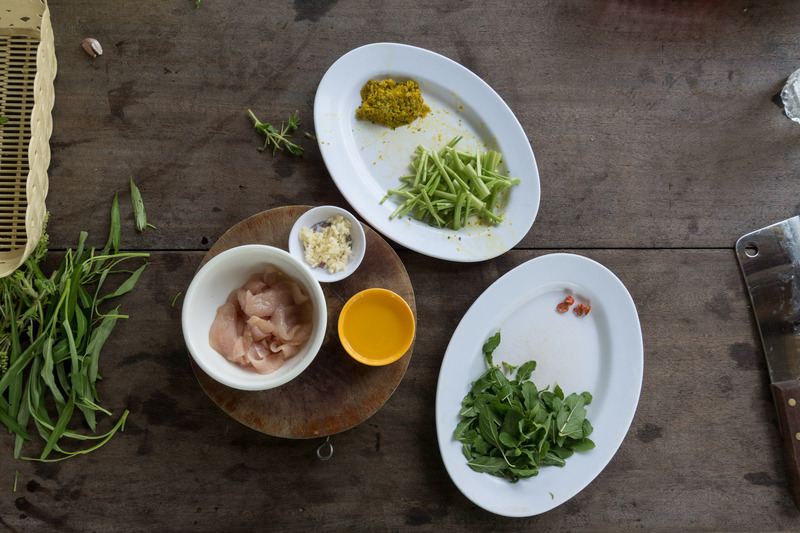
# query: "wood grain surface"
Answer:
x=335 y=393
x=659 y=140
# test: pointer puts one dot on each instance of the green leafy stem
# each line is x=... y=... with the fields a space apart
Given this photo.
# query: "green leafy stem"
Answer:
x=278 y=137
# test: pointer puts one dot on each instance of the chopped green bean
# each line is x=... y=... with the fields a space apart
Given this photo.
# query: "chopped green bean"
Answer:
x=450 y=186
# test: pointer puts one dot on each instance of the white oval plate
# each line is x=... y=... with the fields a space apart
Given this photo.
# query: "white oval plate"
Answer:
x=600 y=352
x=365 y=159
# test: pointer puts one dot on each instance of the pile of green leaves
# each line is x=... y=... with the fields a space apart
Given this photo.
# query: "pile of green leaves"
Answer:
x=449 y=186
x=52 y=330
x=510 y=429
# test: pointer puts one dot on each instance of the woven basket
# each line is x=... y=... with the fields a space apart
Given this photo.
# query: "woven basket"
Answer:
x=27 y=71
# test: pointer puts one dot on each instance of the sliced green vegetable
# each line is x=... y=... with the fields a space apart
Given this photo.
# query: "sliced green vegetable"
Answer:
x=450 y=186
x=510 y=429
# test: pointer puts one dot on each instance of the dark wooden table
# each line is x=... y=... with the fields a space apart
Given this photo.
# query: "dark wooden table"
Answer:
x=659 y=141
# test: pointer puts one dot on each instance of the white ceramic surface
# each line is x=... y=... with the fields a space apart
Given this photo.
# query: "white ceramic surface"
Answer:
x=211 y=287
x=366 y=159
x=601 y=352
x=321 y=214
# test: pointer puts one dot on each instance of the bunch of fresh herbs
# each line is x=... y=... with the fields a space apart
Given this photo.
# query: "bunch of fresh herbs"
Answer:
x=510 y=429
x=52 y=330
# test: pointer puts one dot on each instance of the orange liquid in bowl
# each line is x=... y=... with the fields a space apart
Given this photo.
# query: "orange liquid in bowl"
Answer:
x=376 y=327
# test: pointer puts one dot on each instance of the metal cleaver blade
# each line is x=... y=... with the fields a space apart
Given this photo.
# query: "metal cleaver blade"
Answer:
x=770 y=262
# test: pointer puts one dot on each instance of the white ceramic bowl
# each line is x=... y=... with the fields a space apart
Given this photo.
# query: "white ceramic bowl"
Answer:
x=321 y=214
x=210 y=289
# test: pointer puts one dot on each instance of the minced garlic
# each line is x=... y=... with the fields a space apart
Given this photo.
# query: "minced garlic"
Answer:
x=328 y=244
x=391 y=104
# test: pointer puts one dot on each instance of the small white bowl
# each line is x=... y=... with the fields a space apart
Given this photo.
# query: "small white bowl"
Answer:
x=321 y=214
x=210 y=289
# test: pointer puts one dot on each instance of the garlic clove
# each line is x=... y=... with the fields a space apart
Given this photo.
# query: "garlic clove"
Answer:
x=92 y=47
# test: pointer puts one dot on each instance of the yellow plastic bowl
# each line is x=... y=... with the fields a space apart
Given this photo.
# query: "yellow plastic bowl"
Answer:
x=376 y=327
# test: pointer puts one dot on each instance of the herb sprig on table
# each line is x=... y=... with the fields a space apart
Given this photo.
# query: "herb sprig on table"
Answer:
x=52 y=330
x=510 y=429
x=278 y=138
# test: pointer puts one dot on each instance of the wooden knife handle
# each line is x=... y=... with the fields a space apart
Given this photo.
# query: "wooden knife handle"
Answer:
x=787 y=401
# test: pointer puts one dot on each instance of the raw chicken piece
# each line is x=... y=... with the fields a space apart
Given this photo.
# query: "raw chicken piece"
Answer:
x=292 y=323
x=263 y=359
x=260 y=328
x=255 y=283
x=225 y=330
x=285 y=350
x=265 y=303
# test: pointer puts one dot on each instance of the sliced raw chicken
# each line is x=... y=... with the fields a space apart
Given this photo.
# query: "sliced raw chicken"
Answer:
x=263 y=323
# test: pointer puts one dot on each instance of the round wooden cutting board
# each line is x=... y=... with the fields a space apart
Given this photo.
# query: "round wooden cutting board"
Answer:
x=335 y=392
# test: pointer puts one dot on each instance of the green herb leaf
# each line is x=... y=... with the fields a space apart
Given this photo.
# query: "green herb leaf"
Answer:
x=487 y=426
x=486 y=464
x=583 y=445
x=114 y=232
x=490 y=346
x=525 y=371
x=139 y=215
x=570 y=417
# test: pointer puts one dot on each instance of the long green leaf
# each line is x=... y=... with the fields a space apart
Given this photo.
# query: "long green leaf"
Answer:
x=22 y=361
x=119 y=426
x=99 y=336
x=22 y=437
x=15 y=386
x=114 y=231
x=12 y=424
x=63 y=419
x=75 y=366
x=48 y=372
x=126 y=286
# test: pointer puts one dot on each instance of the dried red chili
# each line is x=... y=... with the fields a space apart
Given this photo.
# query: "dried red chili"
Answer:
x=582 y=309
x=569 y=300
x=562 y=307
